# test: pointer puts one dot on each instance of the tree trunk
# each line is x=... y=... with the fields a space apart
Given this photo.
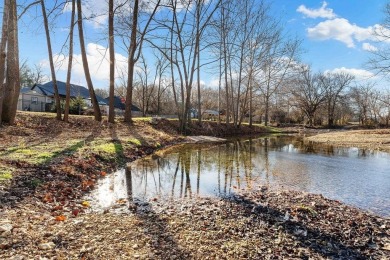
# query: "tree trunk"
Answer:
x=198 y=61
x=111 y=109
x=266 y=113
x=70 y=61
x=131 y=64
x=95 y=105
x=225 y=64
x=3 y=54
x=12 y=86
x=52 y=69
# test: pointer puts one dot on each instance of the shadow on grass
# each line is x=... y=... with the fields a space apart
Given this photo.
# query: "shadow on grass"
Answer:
x=29 y=176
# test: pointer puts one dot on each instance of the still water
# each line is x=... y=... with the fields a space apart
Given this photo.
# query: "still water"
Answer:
x=357 y=177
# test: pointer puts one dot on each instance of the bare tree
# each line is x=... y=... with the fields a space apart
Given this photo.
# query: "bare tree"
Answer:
x=379 y=61
x=145 y=91
x=30 y=76
x=385 y=99
x=111 y=111
x=70 y=62
x=185 y=31
x=96 y=109
x=361 y=95
x=161 y=66
x=52 y=69
x=309 y=92
x=134 y=49
x=254 y=56
x=277 y=65
x=335 y=84
x=104 y=93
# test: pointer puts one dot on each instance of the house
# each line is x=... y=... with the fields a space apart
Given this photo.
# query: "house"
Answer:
x=40 y=97
x=120 y=107
x=32 y=100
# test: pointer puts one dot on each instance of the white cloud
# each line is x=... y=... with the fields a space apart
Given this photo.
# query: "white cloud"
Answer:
x=369 y=47
x=214 y=83
x=96 y=11
x=98 y=62
x=359 y=74
x=342 y=30
x=321 y=12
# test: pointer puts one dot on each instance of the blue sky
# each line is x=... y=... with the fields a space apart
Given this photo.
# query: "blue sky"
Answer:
x=336 y=36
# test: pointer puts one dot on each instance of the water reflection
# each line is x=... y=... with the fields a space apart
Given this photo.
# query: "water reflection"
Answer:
x=357 y=177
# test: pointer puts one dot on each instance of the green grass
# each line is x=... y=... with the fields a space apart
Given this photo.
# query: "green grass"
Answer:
x=135 y=141
x=148 y=118
x=5 y=176
x=40 y=153
x=105 y=149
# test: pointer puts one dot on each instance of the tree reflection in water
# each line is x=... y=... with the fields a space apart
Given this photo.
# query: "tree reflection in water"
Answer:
x=212 y=169
x=188 y=171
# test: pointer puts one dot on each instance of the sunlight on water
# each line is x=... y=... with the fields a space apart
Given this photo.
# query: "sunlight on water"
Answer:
x=357 y=177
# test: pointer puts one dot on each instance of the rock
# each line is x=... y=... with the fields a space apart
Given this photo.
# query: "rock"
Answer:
x=135 y=246
x=387 y=247
x=4 y=244
x=5 y=228
x=47 y=246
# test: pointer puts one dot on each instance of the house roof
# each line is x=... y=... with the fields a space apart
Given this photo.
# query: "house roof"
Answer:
x=47 y=89
x=25 y=90
x=120 y=105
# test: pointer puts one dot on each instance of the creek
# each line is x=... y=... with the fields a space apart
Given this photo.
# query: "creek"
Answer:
x=357 y=177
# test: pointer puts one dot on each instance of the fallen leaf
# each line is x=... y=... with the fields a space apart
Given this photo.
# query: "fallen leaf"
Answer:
x=103 y=173
x=86 y=204
x=47 y=198
x=75 y=212
x=60 y=218
x=58 y=207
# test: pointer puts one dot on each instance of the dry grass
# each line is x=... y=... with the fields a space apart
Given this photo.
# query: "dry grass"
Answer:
x=378 y=139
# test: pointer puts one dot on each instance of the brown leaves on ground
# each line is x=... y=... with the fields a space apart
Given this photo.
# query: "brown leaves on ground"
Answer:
x=250 y=225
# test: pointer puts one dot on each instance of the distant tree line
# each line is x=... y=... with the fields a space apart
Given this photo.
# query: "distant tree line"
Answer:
x=171 y=44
